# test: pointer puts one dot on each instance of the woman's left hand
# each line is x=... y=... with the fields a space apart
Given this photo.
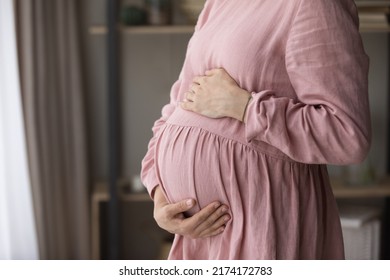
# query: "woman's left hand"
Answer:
x=216 y=95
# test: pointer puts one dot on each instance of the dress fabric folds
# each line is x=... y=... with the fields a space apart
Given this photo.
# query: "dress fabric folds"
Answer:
x=305 y=65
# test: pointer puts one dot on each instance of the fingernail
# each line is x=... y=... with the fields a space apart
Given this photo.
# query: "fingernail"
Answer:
x=227 y=218
x=216 y=205
x=224 y=209
x=189 y=202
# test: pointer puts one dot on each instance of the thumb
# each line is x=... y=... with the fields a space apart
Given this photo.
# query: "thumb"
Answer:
x=180 y=207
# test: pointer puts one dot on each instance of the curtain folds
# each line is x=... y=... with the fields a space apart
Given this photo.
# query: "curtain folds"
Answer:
x=53 y=100
x=18 y=238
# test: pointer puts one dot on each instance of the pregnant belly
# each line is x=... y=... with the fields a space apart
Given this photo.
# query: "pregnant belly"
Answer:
x=194 y=163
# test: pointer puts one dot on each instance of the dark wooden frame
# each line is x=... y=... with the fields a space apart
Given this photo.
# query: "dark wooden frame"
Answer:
x=113 y=127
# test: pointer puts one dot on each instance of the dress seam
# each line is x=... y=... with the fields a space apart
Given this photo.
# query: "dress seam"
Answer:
x=261 y=151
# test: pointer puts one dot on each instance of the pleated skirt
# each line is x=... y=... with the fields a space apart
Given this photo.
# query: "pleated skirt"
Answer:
x=280 y=209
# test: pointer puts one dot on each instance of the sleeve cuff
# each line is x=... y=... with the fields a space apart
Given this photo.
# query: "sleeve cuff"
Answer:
x=256 y=118
x=151 y=182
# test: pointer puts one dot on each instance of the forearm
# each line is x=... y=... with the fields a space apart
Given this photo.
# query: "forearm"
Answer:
x=315 y=134
x=159 y=197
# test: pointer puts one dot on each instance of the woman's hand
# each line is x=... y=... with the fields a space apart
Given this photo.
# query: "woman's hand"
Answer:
x=216 y=95
x=207 y=222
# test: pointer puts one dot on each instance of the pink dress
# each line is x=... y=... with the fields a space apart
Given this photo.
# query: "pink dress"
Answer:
x=305 y=65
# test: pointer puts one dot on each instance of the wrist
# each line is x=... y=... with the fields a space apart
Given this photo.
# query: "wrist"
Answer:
x=240 y=103
x=159 y=197
x=246 y=108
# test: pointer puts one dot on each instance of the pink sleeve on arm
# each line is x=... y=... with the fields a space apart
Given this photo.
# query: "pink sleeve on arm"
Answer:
x=329 y=122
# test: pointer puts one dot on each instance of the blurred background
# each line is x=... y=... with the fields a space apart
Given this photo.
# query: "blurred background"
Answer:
x=81 y=83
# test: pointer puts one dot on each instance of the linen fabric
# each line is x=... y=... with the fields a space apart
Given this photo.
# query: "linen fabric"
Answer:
x=305 y=65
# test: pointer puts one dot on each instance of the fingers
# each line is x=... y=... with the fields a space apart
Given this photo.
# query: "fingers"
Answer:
x=214 y=71
x=198 y=80
x=203 y=214
x=207 y=222
x=194 y=87
x=179 y=207
x=218 y=228
x=209 y=74
x=201 y=79
x=188 y=102
x=170 y=216
x=190 y=96
x=214 y=223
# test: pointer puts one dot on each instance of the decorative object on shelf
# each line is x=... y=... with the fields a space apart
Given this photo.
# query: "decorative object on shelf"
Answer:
x=136 y=185
x=132 y=15
x=192 y=9
x=158 y=12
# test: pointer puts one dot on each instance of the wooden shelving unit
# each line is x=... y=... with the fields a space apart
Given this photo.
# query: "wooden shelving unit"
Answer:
x=101 y=30
x=101 y=194
x=374 y=29
x=378 y=190
x=152 y=30
x=188 y=29
x=367 y=3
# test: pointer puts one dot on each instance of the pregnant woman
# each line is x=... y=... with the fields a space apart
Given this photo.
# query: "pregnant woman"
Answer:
x=270 y=92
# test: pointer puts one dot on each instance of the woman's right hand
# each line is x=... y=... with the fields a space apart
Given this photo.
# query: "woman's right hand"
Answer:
x=209 y=221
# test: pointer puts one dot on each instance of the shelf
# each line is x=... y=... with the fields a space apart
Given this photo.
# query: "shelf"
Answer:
x=372 y=3
x=340 y=190
x=372 y=29
x=101 y=193
x=189 y=29
x=145 y=30
x=378 y=190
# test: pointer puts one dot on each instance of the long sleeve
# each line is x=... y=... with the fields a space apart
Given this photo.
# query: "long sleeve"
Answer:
x=329 y=121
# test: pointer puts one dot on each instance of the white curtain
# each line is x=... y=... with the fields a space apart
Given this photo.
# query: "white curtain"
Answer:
x=18 y=239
